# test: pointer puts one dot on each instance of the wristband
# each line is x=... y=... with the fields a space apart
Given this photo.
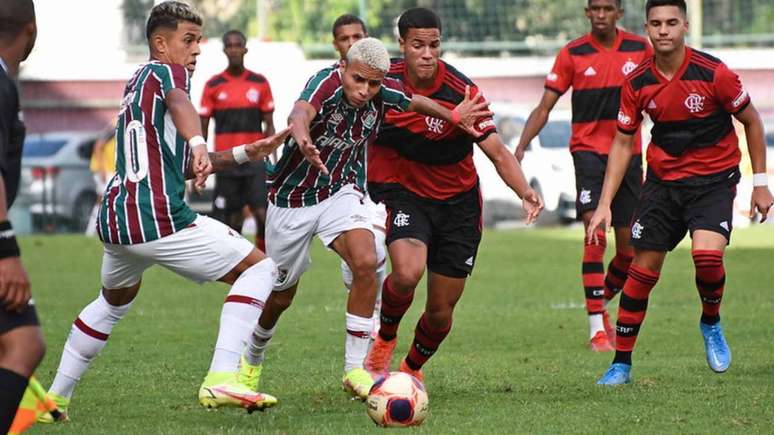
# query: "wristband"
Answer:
x=8 y=246
x=240 y=155
x=760 y=180
x=196 y=141
x=455 y=117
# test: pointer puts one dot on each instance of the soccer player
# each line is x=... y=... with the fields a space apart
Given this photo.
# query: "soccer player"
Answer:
x=318 y=188
x=348 y=29
x=144 y=220
x=422 y=168
x=21 y=343
x=241 y=103
x=595 y=66
x=693 y=160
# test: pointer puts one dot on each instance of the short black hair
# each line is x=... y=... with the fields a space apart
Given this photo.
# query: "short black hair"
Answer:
x=617 y=2
x=234 y=32
x=14 y=15
x=168 y=14
x=347 y=19
x=418 y=18
x=656 y=3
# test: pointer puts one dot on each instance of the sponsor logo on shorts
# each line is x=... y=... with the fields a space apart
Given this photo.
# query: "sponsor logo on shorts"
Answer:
x=358 y=218
x=724 y=225
x=282 y=276
x=401 y=219
x=624 y=118
x=585 y=196
x=694 y=103
x=469 y=261
x=637 y=229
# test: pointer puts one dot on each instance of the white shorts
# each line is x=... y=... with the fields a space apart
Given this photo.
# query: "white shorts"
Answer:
x=205 y=251
x=289 y=231
x=378 y=214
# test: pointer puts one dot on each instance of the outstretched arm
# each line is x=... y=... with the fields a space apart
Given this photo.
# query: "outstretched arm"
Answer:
x=465 y=115
x=536 y=121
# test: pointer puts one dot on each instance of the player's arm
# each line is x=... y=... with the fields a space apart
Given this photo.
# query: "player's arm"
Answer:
x=536 y=121
x=617 y=162
x=14 y=282
x=464 y=115
x=300 y=119
x=205 y=122
x=268 y=123
x=255 y=151
x=761 y=200
x=189 y=126
x=510 y=171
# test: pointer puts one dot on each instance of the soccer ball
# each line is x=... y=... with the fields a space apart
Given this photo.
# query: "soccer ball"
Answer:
x=397 y=400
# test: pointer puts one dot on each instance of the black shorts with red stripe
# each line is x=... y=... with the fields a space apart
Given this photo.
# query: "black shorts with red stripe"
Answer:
x=450 y=229
x=11 y=319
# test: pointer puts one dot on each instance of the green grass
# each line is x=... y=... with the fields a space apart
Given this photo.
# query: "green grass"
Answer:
x=515 y=361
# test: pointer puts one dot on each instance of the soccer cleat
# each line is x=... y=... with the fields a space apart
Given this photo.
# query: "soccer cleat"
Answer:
x=609 y=329
x=600 y=343
x=222 y=389
x=616 y=374
x=404 y=367
x=249 y=374
x=358 y=383
x=59 y=411
x=718 y=353
x=380 y=355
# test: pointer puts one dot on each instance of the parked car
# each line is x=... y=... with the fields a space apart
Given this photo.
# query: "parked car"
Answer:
x=56 y=184
x=547 y=166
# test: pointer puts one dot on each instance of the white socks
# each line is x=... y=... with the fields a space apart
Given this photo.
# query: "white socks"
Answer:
x=240 y=314
x=595 y=324
x=256 y=346
x=357 y=341
x=88 y=336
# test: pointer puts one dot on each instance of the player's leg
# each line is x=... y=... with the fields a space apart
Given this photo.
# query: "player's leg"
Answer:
x=710 y=215
x=257 y=199
x=408 y=235
x=228 y=201
x=21 y=349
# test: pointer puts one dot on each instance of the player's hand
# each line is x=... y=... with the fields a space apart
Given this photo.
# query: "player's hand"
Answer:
x=14 y=284
x=519 y=153
x=265 y=147
x=532 y=204
x=471 y=110
x=761 y=201
x=202 y=166
x=602 y=216
x=312 y=154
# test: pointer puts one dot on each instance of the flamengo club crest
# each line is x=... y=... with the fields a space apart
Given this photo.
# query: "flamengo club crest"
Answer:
x=628 y=67
x=694 y=103
x=434 y=125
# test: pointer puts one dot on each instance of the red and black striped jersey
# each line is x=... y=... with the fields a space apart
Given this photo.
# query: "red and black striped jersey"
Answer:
x=427 y=156
x=596 y=74
x=693 y=138
x=238 y=105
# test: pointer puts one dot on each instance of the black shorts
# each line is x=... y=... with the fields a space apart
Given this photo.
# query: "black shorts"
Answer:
x=590 y=175
x=246 y=186
x=665 y=212
x=11 y=320
x=450 y=229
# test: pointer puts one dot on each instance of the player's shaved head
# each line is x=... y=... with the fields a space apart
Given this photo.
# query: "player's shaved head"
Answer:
x=371 y=52
x=680 y=4
x=418 y=18
x=231 y=33
x=14 y=15
x=168 y=15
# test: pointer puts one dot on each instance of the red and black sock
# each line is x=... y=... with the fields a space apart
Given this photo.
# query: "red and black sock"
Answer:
x=631 y=311
x=394 y=306
x=594 y=274
x=426 y=342
x=616 y=274
x=13 y=386
x=710 y=280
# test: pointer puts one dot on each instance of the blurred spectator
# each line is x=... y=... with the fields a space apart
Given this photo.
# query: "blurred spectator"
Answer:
x=103 y=166
x=241 y=103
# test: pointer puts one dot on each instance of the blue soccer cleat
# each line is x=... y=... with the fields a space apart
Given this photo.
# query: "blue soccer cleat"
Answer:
x=718 y=353
x=616 y=374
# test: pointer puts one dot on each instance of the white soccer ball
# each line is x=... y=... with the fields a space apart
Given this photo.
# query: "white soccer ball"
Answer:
x=398 y=400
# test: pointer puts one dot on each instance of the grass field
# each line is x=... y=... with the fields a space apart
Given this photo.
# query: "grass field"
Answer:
x=515 y=361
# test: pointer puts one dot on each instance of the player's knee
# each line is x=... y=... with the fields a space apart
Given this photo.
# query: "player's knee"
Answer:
x=280 y=301
x=406 y=277
x=363 y=265
x=23 y=351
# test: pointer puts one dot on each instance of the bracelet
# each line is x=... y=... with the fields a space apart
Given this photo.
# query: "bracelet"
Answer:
x=196 y=141
x=240 y=154
x=8 y=246
x=455 y=117
x=760 y=180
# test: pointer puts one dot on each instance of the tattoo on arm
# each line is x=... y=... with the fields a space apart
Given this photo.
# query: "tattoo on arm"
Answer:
x=221 y=161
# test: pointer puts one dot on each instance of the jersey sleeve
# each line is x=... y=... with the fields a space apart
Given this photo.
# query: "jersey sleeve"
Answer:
x=267 y=99
x=172 y=76
x=395 y=95
x=207 y=106
x=730 y=91
x=320 y=87
x=629 y=112
x=560 y=77
x=485 y=125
